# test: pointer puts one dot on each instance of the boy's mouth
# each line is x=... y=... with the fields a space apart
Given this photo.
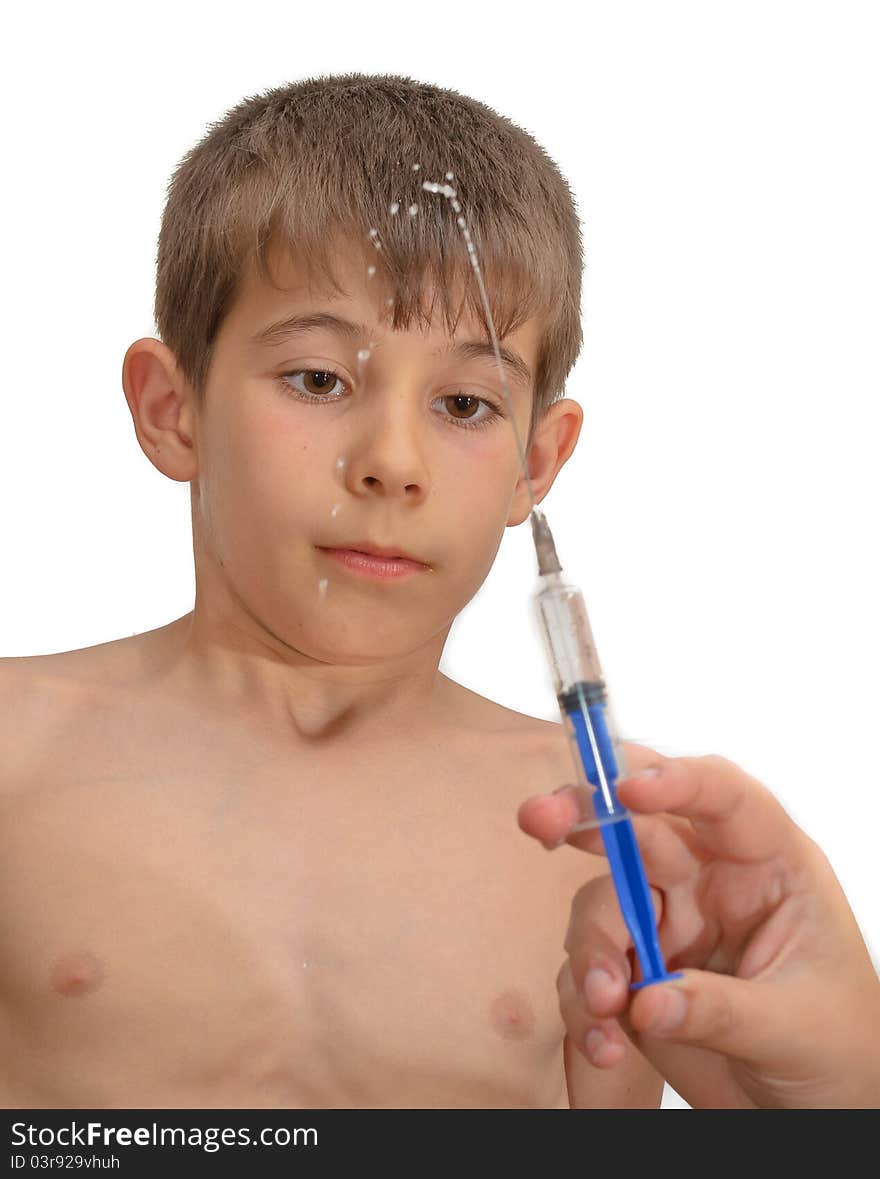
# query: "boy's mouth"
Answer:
x=375 y=550
x=375 y=564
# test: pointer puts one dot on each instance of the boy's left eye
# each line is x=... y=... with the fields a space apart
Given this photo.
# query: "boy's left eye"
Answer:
x=319 y=384
x=475 y=403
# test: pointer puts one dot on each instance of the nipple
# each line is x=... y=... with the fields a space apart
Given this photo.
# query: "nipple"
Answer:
x=511 y=1016
x=76 y=974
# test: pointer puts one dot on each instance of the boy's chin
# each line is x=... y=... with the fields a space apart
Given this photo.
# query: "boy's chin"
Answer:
x=337 y=657
x=358 y=645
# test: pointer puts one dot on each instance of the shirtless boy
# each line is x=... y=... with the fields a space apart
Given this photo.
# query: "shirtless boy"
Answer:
x=267 y=856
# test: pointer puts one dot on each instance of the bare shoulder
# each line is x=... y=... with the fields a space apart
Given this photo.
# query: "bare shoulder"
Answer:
x=20 y=715
x=33 y=696
x=42 y=699
x=521 y=756
x=533 y=741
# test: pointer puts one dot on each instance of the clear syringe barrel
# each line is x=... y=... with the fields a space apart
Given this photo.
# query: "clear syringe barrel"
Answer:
x=583 y=701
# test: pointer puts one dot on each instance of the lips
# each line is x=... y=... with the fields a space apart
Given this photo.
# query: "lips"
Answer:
x=368 y=565
x=374 y=550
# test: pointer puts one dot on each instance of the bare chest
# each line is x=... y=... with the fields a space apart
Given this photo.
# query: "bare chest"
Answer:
x=189 y=924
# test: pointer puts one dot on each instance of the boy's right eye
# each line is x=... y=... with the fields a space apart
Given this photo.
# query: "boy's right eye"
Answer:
x=318 y=383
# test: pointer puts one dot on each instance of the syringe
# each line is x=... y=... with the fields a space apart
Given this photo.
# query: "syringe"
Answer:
x=599 y=760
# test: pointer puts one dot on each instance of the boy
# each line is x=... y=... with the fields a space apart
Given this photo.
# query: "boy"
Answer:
x=267 y=855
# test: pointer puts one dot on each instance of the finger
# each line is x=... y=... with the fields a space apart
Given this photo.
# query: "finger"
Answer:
x=549 y=817
x=740 y=1018
x=600 y=948
x=702 y=1077
x=667 y=846
x=601 y=1041
x=735 y=814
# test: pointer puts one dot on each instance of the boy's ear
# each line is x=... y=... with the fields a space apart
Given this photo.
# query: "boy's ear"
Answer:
x=161 y=408
x=555 y=437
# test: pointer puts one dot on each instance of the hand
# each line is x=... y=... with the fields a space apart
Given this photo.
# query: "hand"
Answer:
x=779 y=1004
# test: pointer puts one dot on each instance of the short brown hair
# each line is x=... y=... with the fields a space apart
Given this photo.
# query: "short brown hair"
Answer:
x=318 y=160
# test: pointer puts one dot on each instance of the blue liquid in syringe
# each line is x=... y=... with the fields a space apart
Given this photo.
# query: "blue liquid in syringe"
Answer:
x=588 y=700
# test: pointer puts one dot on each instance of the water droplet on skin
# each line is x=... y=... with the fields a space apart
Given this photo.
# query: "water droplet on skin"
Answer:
x=334 y=510
x=450 y=175
x=322 y=587
x=364 y=354
x=305 y=964
x=389 y=302
x=340 y=463
x=371 y=270
x=395 y=205
x=413 y=209
x=416 y=167
x=374 y=232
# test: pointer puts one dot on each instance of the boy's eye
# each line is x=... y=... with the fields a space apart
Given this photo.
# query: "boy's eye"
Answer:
x=318 y=381
x=458 y=405
x=320 y=385
x=464 y=410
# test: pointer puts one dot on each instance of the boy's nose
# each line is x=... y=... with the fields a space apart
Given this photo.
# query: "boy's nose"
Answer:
x=387 y=453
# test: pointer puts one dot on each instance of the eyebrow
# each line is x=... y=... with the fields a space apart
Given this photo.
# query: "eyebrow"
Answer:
x=297 y=325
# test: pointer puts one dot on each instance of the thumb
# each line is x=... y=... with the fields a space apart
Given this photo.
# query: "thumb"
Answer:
x=734 y=1016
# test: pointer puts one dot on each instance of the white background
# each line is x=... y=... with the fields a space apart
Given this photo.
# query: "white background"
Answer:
x=720 y=509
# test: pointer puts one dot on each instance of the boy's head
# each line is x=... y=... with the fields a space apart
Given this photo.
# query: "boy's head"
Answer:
x=306 y=163
x=328 y=437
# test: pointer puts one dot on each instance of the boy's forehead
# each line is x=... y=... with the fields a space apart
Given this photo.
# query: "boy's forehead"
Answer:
x=364 y=298
x=353 y=278
x=294 y=286
x=346 y=260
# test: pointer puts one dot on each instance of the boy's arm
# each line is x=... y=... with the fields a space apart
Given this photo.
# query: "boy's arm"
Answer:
x=631 y=1084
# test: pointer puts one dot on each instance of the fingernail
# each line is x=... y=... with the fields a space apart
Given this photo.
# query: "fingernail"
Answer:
x=653 y=772
x=553 y=846
x=596 y=984
x=671 y=1013
x=594 y=1041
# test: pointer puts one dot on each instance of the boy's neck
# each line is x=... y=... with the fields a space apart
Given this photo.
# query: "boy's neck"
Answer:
x=234 y=669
